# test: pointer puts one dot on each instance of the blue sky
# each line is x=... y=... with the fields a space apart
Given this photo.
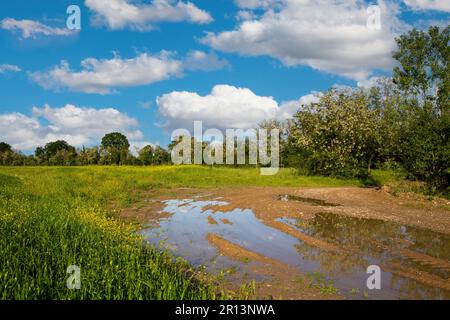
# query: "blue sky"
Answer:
x=148 y=67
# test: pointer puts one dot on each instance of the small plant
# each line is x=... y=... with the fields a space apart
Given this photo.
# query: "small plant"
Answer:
x=320 y=281
x=354 y=291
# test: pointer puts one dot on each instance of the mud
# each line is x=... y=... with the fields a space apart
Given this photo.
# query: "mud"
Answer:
x=309 y=243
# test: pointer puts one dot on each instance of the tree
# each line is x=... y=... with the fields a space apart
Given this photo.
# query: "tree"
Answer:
x=424 y=78
x=4 y=147
x=88 y=156
x=56 y=153
x=115 y=140
x=160 y=156
x=424 y=71
x=115 y=147
x=339 y=134
x=386 y=100
x=146 y=155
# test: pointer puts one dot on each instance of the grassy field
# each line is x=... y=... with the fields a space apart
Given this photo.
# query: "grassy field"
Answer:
x=53 y=217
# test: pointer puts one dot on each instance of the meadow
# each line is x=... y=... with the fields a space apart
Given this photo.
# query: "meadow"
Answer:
x=53 y=217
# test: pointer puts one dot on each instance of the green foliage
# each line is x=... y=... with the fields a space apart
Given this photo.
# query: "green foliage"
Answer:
x=339 y=134
x=115 y=147
x=160 y=156
x=4 y=147
x=146 y=155
x=56 y=153
x=424 y=77
x=88 y=156
x=115 y=140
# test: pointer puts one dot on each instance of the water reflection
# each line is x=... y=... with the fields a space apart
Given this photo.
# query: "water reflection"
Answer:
x=422 y=255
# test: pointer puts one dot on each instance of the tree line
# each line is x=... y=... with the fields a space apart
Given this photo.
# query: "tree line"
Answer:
x=402 y=122
x=114 y=150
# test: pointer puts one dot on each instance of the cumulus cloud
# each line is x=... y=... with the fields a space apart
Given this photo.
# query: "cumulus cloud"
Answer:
x=120 y=14
x=32 y=29
x=254 y=4
x=100 y=76
x=225 y=107
x=103 y=76
x=289 y=108
x=77 y=125
x=199 y=60
x=440 y=5
x=331 y=36
x=9 y=68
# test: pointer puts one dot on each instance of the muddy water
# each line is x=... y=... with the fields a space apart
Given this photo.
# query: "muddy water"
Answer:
x=414 y=262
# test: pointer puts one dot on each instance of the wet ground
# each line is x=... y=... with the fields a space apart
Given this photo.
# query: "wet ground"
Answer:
x=296 y=246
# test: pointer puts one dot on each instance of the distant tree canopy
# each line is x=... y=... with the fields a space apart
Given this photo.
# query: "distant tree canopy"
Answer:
x=4 y=147
x=115 y=147
x=113 y=151
x=115 y=140
x=56 y=153
x=146 y=155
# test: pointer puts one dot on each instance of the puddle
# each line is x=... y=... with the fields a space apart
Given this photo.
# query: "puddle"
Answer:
x=414 y=262
x=316 y=202
x=185 y=231
x=386 y=244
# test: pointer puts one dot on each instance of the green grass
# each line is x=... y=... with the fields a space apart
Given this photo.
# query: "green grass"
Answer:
x=53 y=217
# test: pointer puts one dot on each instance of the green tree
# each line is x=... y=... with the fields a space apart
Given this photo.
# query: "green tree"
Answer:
x=115 y=148
x=146 y=155
x=424 y=78
x=6 y=154
x=56 y=153
x=160 y=156
x=4 y=147
x=339 y=134
x=386 y=100
x=89 y=156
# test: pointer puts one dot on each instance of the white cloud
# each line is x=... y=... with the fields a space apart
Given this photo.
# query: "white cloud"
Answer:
x=440 y=5
x=254 y=4
x=77 y=125
x=31 y=29
x=120 y=14
x=9 y=68
x=199 y=60
x=370 y=82
x=225 y=107
x=101 y=76
x=328 y=35
x=289 y=108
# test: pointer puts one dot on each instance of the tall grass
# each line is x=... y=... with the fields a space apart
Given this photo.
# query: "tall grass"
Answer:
x=53 y=217
x=48 y=222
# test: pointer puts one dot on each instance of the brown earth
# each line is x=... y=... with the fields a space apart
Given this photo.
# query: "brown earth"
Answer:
x=355 y=202
x=286 y=282
x=267 y=206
